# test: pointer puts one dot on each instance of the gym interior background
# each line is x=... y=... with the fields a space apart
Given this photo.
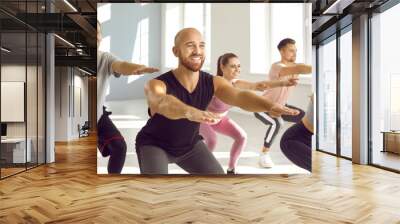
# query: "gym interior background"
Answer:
x=47 y=80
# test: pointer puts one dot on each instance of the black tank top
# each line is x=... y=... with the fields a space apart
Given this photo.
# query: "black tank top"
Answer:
x=177 y=137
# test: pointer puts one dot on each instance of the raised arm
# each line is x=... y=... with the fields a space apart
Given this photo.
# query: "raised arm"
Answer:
x=127 y=68
x=246 y=99
x=171 y=107
x=242 y=84
x=264 y=85
x=295 y=69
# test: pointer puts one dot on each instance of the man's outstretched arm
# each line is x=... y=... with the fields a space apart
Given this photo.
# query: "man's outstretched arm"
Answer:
x=264 y=85
x=171 y=107
x=295 y=69
x=127 y=68
x=247 y=100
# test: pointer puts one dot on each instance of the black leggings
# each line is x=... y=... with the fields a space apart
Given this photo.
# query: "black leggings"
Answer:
x=274 y=125
x=199 y=160
x=296 y=145
x=111 y=143
x=117 y=152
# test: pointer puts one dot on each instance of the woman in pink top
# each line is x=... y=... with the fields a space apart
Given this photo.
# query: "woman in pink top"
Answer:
x=229 y=68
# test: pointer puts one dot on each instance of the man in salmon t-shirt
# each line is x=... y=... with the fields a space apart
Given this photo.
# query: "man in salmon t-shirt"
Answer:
x=281 y=70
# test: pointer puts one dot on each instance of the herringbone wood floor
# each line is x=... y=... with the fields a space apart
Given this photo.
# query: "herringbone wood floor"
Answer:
x=70 y=191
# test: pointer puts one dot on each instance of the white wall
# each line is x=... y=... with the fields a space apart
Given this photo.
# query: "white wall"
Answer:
x=68 y=81
x=84 y=84
x=230 y=32
x=79 y=117
x=61 y=103
x=119 y=25
x=14 y=73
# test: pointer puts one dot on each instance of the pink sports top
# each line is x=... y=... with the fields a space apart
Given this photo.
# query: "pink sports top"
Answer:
x=217 y=106
x=277 y=94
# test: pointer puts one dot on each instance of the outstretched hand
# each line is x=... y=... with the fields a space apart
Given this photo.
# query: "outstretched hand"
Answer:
x=290 y=81
x=261 y=86
x=278 y=110
x=144 y=69
x=200 y=116
x=264 y=85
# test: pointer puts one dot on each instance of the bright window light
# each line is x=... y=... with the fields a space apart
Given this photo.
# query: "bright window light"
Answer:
x=258 y=39
x=178 y=16
x=105 y=44
x=395 y=102
x=104 y=12
x=123 y=117
x=269 y=24
x=172 y=26
x=140 y=52
x=282 y=27
x=135 y=124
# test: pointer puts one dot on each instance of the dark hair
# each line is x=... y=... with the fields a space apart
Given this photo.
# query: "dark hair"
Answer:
x=285 y=42
x=223 y=60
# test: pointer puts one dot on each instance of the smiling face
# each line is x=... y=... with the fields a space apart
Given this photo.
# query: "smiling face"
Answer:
x=231 y=70
x=190 y=49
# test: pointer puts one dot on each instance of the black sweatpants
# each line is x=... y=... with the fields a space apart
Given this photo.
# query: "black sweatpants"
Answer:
x=154 y=160
x=274 y=125
x=296 y=145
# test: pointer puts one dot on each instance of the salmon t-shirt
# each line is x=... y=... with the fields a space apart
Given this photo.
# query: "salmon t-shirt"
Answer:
x=277 y=94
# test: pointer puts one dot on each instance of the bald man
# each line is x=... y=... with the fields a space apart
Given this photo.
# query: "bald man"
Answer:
x=177 y=105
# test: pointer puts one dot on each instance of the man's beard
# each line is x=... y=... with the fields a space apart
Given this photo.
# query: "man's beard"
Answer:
x=191 y=66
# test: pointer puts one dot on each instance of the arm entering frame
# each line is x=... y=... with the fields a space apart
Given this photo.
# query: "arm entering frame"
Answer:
x=127 y=68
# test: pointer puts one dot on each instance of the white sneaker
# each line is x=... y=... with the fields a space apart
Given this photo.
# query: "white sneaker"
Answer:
x=265 y=160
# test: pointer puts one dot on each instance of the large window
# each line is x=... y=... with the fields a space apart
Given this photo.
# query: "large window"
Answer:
x=141 y=53
x=178 y=16
x=335 y=108
x=282 y=27
x=268 y=26
x=346 y=93
x=385 y=88
x=22 y=77
x=327 y=96
x=259 y=40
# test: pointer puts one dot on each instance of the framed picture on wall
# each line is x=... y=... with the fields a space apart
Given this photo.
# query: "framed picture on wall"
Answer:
x=219 y=133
